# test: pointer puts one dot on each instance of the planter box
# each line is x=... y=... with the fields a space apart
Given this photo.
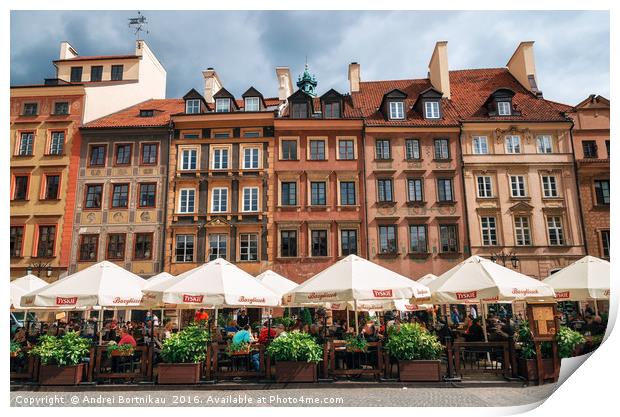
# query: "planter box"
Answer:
x=527 y=369
x=122 y=352
x=178 y=373
x=61 y=375
x=414 y=371
x=291 y=371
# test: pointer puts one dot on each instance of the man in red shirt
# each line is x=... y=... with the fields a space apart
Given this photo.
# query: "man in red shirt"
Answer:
x=263 y=336
x=126 y=338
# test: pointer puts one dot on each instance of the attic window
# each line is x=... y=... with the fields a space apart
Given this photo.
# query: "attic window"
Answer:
x=397 y=110
x=332 y=110
x=192 y=106
x=299 y=110
x=222 y=105
x=503 y=108
x=431 y=110
x=252 y=104
x=146 y=113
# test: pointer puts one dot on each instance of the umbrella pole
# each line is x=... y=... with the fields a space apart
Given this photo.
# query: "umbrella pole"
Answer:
x=26 y=322
x=595 y=307
x=100 y=325
x=484 y=321
x=356 y=321
x=347 y=312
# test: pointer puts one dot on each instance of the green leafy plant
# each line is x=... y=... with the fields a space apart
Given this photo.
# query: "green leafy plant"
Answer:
x=295 y=346
x=114 y=347
x=567 y=341
x=413 y=342
x=524 y=336
x=68 y=349
x=187 y=346
x=306 y=317
x=16 y=349
x=241 y=347
x=356 y=343
x=286 y=321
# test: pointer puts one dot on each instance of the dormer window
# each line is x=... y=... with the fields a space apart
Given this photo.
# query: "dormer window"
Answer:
x=299 y=110
x=252 y=104
x=146 y=113
x=397 y=110
x=331 y=110
x=222 y=105
x=503 y=108
x=192 y=106
x=431 y=110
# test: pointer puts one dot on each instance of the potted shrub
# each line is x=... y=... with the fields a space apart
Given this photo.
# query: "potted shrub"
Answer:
x=16 y=350
x=296 y=355
x=356 y=343
x=182 y=355
x=61 y=358
x=115 y=349
x=417 y=352
x=236 y=349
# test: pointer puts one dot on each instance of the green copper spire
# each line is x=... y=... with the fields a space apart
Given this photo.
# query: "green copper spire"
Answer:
x=307 y=83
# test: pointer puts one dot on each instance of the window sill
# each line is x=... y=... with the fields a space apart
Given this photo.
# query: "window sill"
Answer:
x=442 y=160
x=557 y=198
x=349 y=207
x=449 y=255
x=51 y=200
x=23 y=156
x=318 y=208
x=414 y=160
x=289 y=208
x=318 y=258
x=415 y=203
x=386 y=203
x=20 y=200
x=493 y=199
x=58 y=155
x=383 y=160
x=446 y=203
x=288 y=258
x=388 y=255
x=423 y=255
x=91 y=209
x=512 y=198
x=289 y=160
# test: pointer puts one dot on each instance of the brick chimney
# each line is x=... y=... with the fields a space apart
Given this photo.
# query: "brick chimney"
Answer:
x=285 y=82
x=438 y=68
x=67 y=51
x=354 y=77
x=212 y=84
x=522 y=66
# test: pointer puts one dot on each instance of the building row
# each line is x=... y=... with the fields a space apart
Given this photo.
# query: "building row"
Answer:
x=414 y=174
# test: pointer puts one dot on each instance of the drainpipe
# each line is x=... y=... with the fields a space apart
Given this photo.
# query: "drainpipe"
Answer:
x=467 y=240
x=165 y=205
x=363 y=158
x=581 y=220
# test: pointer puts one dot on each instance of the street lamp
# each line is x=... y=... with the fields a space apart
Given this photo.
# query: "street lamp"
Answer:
x=39 y=267
x=503 y=257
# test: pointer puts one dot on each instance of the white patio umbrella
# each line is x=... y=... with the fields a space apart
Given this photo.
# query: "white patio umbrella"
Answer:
x=215 y=284
x=427 y=279
x=276 y=282
x=584 y=280
x=480 y=280
x=356 y=279
x=22 y=286
x=100 y=286
x=156 y=279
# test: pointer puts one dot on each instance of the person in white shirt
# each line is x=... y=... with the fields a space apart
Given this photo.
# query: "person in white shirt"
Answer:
x=473 y=313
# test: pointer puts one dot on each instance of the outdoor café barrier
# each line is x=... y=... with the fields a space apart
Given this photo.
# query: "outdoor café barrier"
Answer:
x=222 y=364
x=355 y=362
x=486 y=357
x=137 y=366
x=24 y=367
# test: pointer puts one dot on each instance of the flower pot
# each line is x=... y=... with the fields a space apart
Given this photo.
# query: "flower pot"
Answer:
x=61 y=375
x=423 y=370
x=292 y=371
x=528 y=370
x=178 y=373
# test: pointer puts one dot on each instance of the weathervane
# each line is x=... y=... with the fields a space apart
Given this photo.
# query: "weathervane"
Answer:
x=138 y=24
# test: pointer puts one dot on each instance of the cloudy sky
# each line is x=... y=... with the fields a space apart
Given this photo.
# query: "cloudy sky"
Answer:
x=572 y=48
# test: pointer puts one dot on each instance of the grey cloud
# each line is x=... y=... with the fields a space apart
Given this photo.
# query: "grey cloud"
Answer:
x=572 y=48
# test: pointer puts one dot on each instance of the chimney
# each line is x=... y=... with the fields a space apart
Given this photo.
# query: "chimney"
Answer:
x=212 y=84
x=67 y=51
x=522 y=66
x=285 y=82
x=438 y=68
x=354 y=77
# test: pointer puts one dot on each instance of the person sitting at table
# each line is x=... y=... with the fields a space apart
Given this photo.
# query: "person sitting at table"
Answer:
x=243 y=335
x=126 y=338
x=315 y=332
x=242 y=318
x=266 y=333
x=455 y=316
x=474 y=333
x=369 y=332
x=231 y=327
x=201 y=316
x=444 y=331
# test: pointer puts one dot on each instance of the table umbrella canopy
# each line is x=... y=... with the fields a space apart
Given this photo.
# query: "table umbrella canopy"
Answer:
x=156 y=279
x=427 y=279
x=276 y=282
x=217 y=283
x=380 y=305
x=479 y=279
x=353 y=279
x=22 y=286
x=586 y=279
x=101 y=285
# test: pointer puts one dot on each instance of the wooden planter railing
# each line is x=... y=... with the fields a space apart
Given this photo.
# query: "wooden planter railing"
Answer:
x=143 y=365
x=31 y=370
x=221 y=365
x=500 y=352
x=355 y=359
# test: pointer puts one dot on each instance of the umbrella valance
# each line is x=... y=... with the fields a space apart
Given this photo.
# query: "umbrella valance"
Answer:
x=216 y=283
x=104 y=284
x=479 y=279
x=586 y=279
x=354 y=279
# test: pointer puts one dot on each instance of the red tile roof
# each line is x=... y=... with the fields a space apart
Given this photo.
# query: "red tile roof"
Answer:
x=371 y=93
x=349 y=111
x=469 y=89
x=269 y=101
x=130 y=117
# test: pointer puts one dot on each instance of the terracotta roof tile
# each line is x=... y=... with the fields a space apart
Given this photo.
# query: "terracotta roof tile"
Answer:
x=130 y=117
x=470 y=89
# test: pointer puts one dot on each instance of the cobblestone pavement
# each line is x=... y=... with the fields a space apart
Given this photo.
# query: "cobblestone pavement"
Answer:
x=351 y=397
